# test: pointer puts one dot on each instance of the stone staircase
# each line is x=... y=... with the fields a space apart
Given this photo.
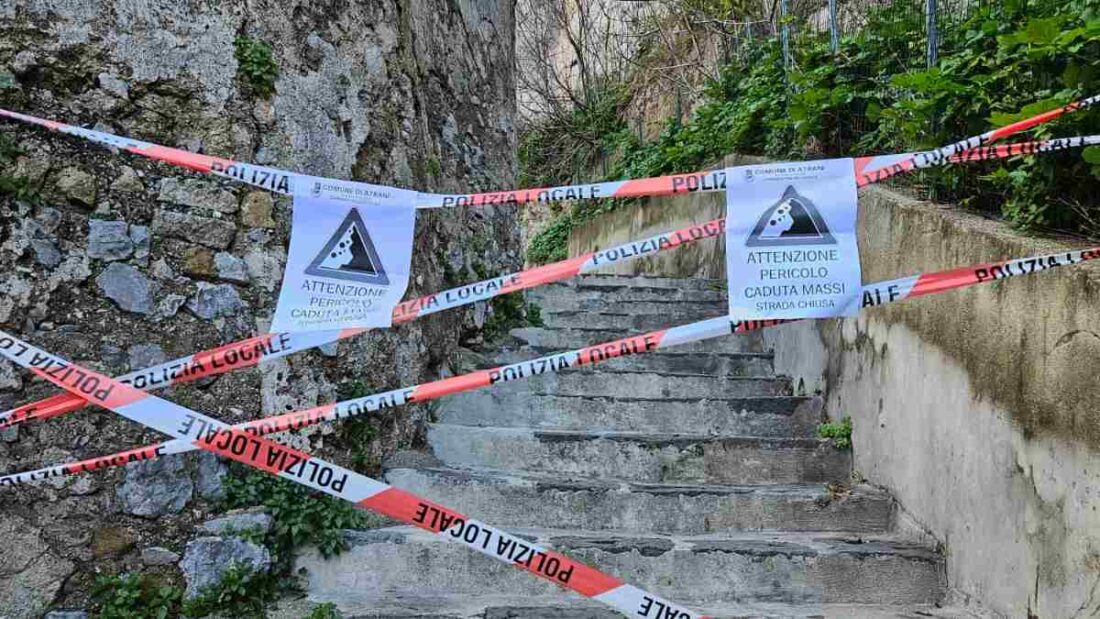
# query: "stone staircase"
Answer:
x=693 y=473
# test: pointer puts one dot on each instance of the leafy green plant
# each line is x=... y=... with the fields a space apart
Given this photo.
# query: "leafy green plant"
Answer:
x=840 y=432
x=534 y=315
x=17 y=187
x=327 y=610
x=1005 y=61
x=511 y=311
x=300 y=515
x=134 y=596
x=241 y=592
x=256 y=65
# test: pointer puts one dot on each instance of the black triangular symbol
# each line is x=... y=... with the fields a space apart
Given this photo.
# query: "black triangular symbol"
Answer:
x=793 y=220
x=350 y=254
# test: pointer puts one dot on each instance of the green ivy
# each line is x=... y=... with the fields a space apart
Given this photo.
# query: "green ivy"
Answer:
x=1006 y=61
x=840 y=432
x=134 y=596
x=256 y=65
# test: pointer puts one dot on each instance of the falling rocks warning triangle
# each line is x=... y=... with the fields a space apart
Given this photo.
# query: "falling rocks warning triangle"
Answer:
x=349 y=254
x=793 y=220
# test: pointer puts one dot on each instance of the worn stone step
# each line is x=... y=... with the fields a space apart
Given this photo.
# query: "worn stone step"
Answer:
x=543 y=500
x=668 y=362
x=624 y=322
x=664 y=306
x=766 y=416
x=650 y=385
x=555 y=340
x=565 y=606
x=652 y=458
x=614 y=282
x=557 y=297
x=406 y=565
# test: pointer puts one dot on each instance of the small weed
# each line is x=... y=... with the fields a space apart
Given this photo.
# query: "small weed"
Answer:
x=256 y=65
x=241 y=592
x=434 y=168
x=17 y=187
x=301 y=516
x=134 y=596
x=510 y=311
x=534 y=315
x=325 y=611
x=840 y=432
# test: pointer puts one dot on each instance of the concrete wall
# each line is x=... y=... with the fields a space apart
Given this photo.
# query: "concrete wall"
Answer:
x=976 y=409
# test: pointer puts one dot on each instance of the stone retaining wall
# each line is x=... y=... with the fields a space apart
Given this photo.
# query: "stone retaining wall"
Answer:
x=117 y=263
x=976 y=408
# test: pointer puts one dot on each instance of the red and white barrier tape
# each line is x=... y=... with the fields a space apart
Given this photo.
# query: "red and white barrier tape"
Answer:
x=215 y=436
x=868 y=169
x=252 y=351
x=873 y=295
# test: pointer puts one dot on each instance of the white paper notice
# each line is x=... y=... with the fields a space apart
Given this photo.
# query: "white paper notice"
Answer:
x=349 y=257
x=791 y=248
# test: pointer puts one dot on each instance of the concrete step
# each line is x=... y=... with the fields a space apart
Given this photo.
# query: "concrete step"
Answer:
x=650 y=458
x=664 y=306
x=558 y=297
x=668 y=362
x=566 y=606
x=635 y=282
x=624 y=322
x=533 y=500
x=385 y=567
x=650 y=385
x=557 y=340
x=766 y=416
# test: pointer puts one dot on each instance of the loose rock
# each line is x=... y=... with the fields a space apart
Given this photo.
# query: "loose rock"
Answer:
x=114 y=85
x=46 y=253
x=127 y=287
x=212 y=301
x=155 y=487
x=169 y=306
x=256 y=210
x=206 y=560
x=128 y=182
x=198 y=261
x=139 y=235
x=235 y=522
x=23 y=62
x=210 y=472
x=231 y=268
x=77 y=185
x=205 y=230
x=197 y=193
x=155 y=555
x=146 y=355
x=109 y=240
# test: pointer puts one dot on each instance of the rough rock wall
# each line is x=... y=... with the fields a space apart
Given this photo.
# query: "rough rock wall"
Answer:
x=117 y=262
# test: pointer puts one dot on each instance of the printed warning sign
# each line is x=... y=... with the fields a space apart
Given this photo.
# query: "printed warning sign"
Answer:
x=791 y=247
x=350 y=254
x=349 y=259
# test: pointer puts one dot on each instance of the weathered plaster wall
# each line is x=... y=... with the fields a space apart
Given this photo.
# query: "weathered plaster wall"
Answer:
x=976 y=408
x=122 y=262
